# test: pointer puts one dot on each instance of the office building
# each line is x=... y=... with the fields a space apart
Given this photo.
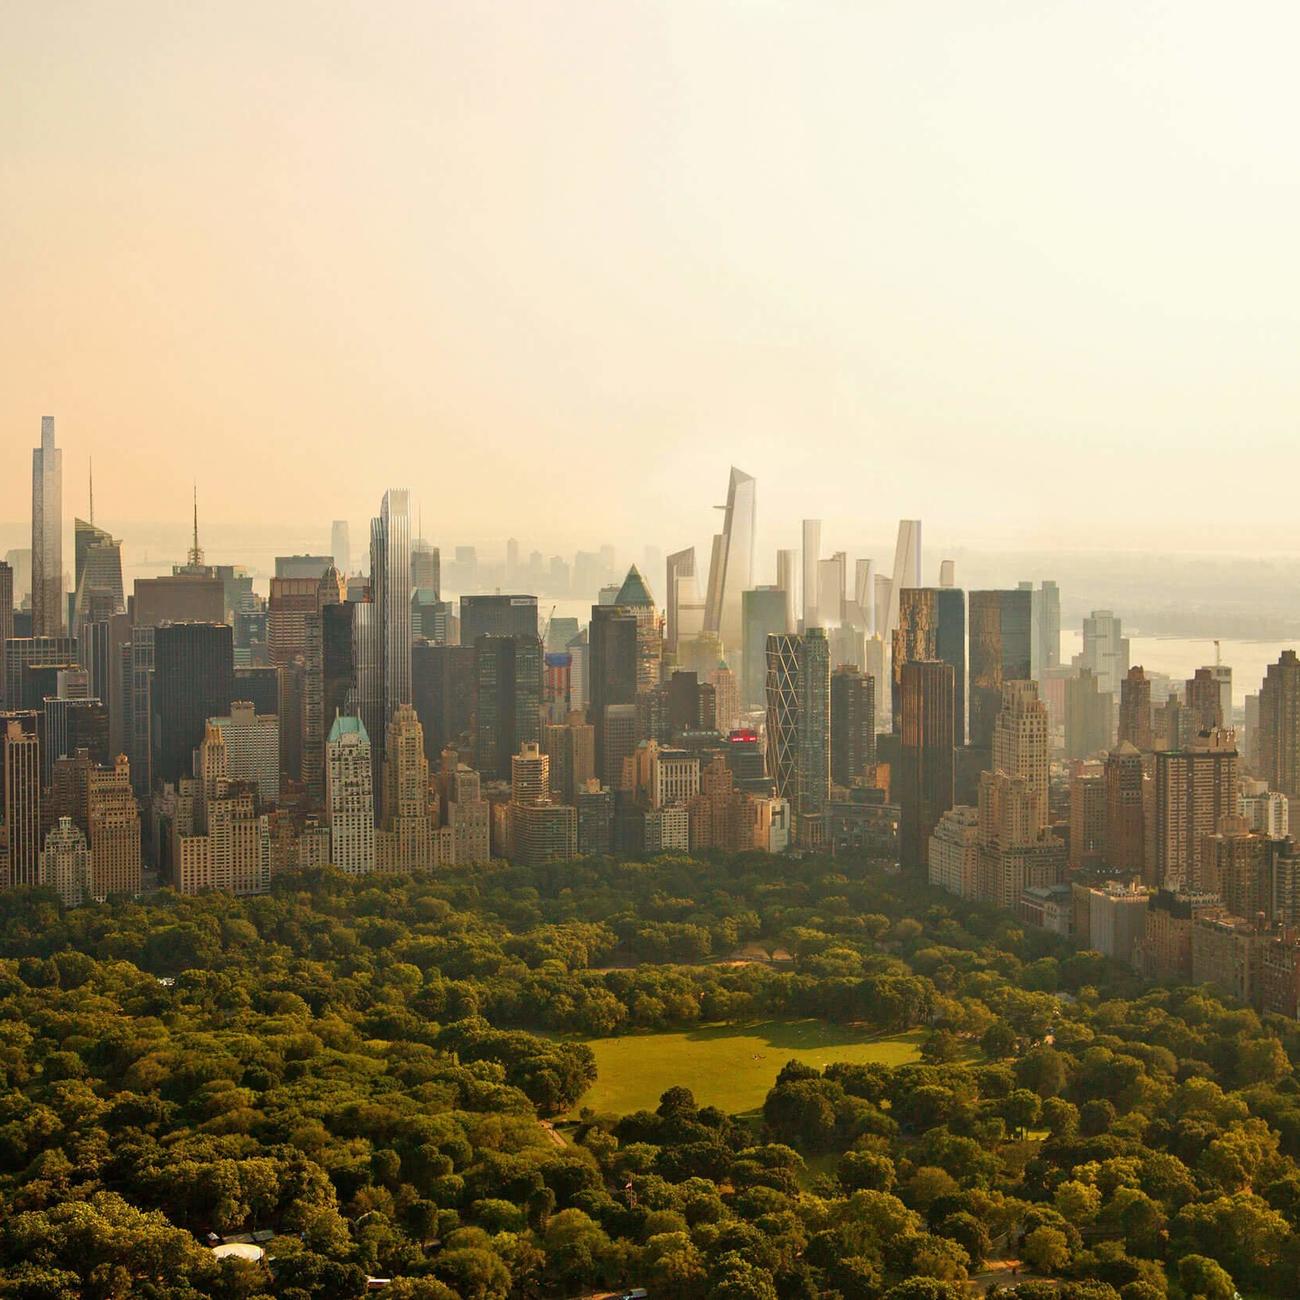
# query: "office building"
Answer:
x=341 y=546
x=571 y=748
x=1105 y=650
x=193 y=680
x=349 y=796
x=907 y=573
x=931 y=626
x=47 y=535
x=497 y=616
x=508 y=700
x=426 y=568
x=731 y=567
x=1088 y=714
x=923 y=787
x=1087 y=845
x=612 y=676
x=853 y=725
x=99 y=592
x=812 y=547
x=443 y=686
x=178 y=598
x=1019 y=743
x=1000 y=646
x=26 y=652
x=764 y=613
x=595 y=817
x=798 y=728
x=634 y=596
x=407 y=839
x=684 y=605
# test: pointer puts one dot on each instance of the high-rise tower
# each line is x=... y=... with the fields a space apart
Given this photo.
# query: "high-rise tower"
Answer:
x=1000 y=623
x=390 y=581
x=47 y=534
x=924 y=790
x=798 y=728
x=731 y=569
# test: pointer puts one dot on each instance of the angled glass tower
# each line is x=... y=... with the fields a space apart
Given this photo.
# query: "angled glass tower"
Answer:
x=731 y=569
x=47 y=534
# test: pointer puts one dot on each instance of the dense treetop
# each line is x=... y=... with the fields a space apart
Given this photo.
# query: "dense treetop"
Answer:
x=362 y=1068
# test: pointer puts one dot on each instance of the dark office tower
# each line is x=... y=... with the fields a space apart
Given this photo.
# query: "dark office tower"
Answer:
x=70 y=724
x=1135 y=710
x=508 y=701
x=22 y=804
x=924 y=788
x=1205 y=700
x=22 y=653
x=497 y=616
x=442 y=681
x=571 y=747
x=798 y=728
x=1087 y=716
x=999 y=653
x=853 y=723
x=691 y=705
x=94 y=653
x=595 y=819
x=338 y=669
x=612 y=663
x=6 y=610
x=330 y=590
x=193 y=680
x=137 y=694
x=931 y=625
x=259 y=685
x=1278 y=744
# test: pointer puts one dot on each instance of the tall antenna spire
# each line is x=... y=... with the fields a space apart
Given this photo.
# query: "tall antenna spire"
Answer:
x=92 y=489
x=196 y=553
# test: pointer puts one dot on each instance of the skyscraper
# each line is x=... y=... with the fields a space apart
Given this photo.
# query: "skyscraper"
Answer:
x=1196 y=788
x=907 y=571
x=193 y=680
x=1105 y=650
x=731 y=569
x=787 y=581
x=47 y=534
x=114 y=833
x=1125 y=844
x=812 y=554
x=612 y=671
x=497 y=616
x=999 y=653
x=635 y=596
x=390 y=581
x=22 y=805
x=1019 y=743
x=1205 y=700
x=1278 y=742
x=924 y=789
x=685 y=607
x=1088 y=711
x=508 y=700
x=931 y=625
x=6 y=610
x=349 y=797
x=764 y=613
x=341 y=546
x=97 y=574
x=853 y=724
x=798 y=728
x=1135 y=709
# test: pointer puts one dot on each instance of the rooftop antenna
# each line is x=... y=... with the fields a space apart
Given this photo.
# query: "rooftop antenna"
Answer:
x=1218 y=657
x=196 y=554
x=92 y=489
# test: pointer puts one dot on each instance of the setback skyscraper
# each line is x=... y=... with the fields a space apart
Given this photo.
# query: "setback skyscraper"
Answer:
x=999 y=653
x=931 y=625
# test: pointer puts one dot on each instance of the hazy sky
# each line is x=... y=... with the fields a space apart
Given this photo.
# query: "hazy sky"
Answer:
x=1026 y=270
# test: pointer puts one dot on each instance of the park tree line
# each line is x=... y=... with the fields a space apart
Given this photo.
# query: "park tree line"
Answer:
x=360 y=1068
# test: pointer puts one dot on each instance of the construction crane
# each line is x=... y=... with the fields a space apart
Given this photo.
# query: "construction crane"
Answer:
x=546 y=627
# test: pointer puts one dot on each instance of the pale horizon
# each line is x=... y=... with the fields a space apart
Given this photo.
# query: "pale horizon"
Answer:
x=1025 y=273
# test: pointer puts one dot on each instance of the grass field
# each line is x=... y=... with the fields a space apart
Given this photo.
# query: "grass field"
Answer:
x=729 y=1066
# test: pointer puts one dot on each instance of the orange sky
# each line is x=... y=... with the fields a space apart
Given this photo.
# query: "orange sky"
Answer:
x=1027 y=270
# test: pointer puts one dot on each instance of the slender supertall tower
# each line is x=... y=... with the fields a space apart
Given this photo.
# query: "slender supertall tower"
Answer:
x=47 y=534
x=390 y=580
x=341 y=545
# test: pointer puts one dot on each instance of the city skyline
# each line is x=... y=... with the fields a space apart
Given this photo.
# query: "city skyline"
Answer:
x=890 y=268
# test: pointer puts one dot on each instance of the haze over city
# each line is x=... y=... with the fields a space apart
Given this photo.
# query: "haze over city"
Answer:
x=1024 y=271
x=648 y=650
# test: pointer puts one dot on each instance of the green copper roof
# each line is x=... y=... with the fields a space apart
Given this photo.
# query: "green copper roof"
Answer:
x=634 y=591
x=347 y=726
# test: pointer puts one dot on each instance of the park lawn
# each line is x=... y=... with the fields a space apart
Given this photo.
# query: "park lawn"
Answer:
x=729 y=1066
